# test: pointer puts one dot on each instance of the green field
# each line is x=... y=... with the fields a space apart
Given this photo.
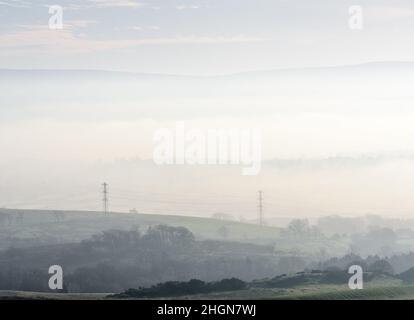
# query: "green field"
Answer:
x=325 y=292
x=372 y=293
x=26 y=295
x=389 y=289
x=79 y=225
x=27 y=228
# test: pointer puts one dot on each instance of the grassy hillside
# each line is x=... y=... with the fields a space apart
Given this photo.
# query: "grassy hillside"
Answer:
x=324 y=292
x=73 y=226
x=379 y=290
x=315 y=285
x=25 y=295
x=373 y=293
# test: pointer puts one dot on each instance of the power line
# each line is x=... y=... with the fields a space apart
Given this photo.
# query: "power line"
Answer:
x=105 y=197
x=204 y=195
x=260 y=207
x=180 y=201
x=202 y=201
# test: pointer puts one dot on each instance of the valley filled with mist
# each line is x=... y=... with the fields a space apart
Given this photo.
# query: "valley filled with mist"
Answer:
x=335 y=183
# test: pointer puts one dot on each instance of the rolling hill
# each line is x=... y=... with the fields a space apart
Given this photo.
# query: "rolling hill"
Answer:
x=53 y=226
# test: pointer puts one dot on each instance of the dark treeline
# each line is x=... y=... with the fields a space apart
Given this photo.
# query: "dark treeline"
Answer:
x=175 y=288
x=114 y=261
x=392 y=265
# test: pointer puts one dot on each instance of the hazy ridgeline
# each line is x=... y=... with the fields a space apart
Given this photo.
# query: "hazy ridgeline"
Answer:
x=116 y=252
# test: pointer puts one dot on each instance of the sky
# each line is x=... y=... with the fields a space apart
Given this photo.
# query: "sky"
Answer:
x=202 y=37
x=337 y=139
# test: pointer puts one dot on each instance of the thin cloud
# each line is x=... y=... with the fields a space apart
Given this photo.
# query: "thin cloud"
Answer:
x=187 y=7
x=69 y=24
x=94 y=4
x=115 y=3
x=141 y=28
x=42 y=38
x=388 y=13
x=80 y=23
x=15 y=4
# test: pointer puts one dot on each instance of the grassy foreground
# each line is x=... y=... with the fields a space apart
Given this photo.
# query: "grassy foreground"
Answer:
x=328 y=292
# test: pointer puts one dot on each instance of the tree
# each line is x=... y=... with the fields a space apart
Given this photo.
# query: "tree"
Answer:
x=299 y=227
x=381 y=266
x=377 y=241
x=223 y=232
x=177 y=236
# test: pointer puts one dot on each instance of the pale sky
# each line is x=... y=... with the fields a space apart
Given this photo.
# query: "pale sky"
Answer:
x=202 y=37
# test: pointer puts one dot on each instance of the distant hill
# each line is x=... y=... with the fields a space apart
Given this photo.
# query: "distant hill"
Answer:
x=94 y=94
x=56 y=226
x=103 y=95
x=385 y=66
